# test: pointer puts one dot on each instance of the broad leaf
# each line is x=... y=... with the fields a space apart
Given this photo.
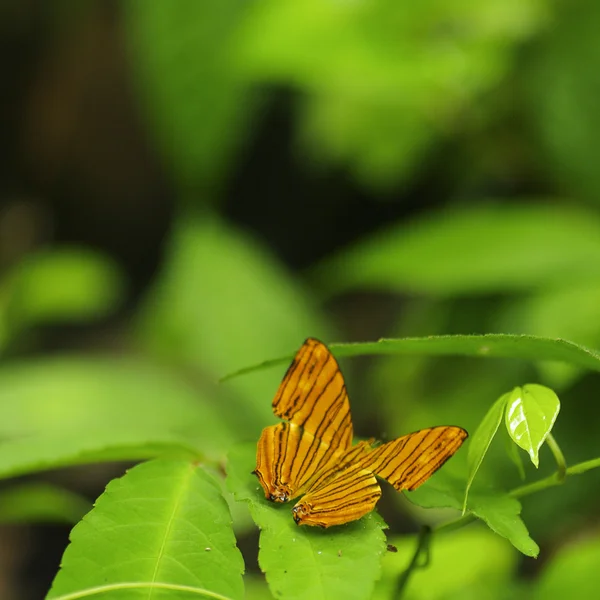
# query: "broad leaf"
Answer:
x=498 y=510
x=485 y=346
x=162 y=530
x=307 y=562
x=67 y=410
x=530 y=414
x=482 y=438
x=41 y=503
x=481 y=249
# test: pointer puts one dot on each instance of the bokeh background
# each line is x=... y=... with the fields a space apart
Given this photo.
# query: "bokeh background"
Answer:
x=200 y=185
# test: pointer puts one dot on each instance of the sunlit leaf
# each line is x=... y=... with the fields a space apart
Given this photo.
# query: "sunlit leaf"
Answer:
x=308 y=562
x=482 y=438
x=41 y=503
x=530 y=414
x=162 y=530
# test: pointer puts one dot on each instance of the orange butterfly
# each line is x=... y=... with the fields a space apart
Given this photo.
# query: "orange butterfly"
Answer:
x=311 y=453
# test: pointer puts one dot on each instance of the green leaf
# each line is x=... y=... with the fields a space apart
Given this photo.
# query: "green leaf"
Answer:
x=530 y=414
x=162 y=528
x=41 y=503
x=468 y=563
x=307 y=562
x=60 y=285
x=475 y=250
x=482 y=438
x=196 y=102
x=216 y=283
x=493 y=345
x=572 y=572
x=499 y=511
x=70 y=410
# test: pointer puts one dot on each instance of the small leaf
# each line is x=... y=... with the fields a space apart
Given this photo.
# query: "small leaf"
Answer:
x=308 y=562
x=502 y=513
x=513 y=453
x=499 y=511
x=481 y=440
x=41 y=503
x=163 y=526
x=530 y=414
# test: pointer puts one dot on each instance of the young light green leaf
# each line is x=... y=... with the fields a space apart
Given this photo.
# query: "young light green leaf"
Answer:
x=70 y=410
x=491 y=345
x=308 y=563
x=515 y=456
x=530 y=414
x=41 y=503
x=481 y=440
x=498 y=510
x=163 y=527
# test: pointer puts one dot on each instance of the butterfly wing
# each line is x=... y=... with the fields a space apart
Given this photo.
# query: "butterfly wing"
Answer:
x=312 y=398
x=346 y=496
x=410 y=460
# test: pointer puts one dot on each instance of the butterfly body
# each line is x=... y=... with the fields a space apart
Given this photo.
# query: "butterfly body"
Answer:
x=311 y=454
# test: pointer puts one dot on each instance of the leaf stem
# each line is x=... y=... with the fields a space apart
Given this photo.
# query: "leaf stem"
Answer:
x=422 y=548
x=559 y=457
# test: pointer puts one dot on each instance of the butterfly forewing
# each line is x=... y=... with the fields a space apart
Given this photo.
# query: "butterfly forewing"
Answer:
x=312 y=398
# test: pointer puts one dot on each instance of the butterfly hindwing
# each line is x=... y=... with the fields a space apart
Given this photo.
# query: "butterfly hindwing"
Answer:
x=410 y=460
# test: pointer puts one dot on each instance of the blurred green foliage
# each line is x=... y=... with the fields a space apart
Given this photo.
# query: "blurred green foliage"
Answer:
x=505 y=91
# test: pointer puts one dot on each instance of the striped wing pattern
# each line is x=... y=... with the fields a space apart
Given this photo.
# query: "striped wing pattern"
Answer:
x=312 y=399
x=311 y=453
